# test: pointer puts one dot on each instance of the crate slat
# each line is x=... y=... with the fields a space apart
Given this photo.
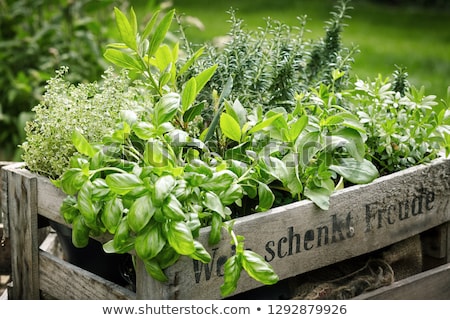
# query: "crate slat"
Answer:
x=433 y=284
x=299 y=237
x=23 y=216
x=65 y=281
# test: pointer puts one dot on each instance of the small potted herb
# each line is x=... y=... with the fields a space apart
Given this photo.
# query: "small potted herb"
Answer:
x=173 y=145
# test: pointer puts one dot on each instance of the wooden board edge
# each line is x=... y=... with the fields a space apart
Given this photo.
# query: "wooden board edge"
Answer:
x=65 y=281
x=432 y=284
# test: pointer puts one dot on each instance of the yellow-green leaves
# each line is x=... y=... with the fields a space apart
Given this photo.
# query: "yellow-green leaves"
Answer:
x=230 y=127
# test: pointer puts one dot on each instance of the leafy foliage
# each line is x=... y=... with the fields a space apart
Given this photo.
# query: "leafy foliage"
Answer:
x=198 y=141
x=37 y=37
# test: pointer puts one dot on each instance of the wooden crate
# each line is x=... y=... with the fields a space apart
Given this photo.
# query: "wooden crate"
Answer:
x=5 y=249
x=295 y=238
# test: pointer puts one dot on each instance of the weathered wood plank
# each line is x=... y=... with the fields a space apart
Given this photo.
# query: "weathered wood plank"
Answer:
x=433 y=284
x=22 y=216
x=434 y=242
x=299 y=237
x=3 y=198
x=65 y=281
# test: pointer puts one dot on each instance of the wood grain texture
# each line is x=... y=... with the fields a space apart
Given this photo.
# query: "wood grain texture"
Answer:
x=65 y=281
x=294 y=239
x=23 y=216
x=299 y=237
x=433 y=284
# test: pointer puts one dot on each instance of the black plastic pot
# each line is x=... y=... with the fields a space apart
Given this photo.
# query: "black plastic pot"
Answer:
x=117 y=268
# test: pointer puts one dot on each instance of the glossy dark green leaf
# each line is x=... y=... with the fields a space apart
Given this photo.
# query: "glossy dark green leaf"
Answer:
x=72 y=180
x=163 y=187
x=265 y=196
x=149 y=242
x=154 y=269
x=167 y=257
x=258 y=268
x=86 y=204
x=80 y=232
x=112 y=214
x=173 y=209
x=140 y=213
x=193 y=112
x=213 y=203
x=122 y=183
x=215 y=235
x=200 y=253
x=232 y=273
x=69 y=209
x=180 y=237
x=358 y=172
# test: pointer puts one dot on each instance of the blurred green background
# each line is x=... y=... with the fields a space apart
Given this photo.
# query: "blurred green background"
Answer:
x=38 y=36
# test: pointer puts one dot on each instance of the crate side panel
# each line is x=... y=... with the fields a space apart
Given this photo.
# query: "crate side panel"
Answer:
x=22 y=217
x=299 y=237
x=65 y=281
x=433 y=284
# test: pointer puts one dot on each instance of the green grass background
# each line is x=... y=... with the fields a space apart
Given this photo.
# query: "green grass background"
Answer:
x=416 y=38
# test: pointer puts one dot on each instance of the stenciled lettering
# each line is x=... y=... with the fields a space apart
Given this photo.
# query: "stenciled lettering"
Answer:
x=379 y=215
x=295 y=242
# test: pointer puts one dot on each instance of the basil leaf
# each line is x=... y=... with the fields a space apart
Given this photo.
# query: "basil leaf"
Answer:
x=258 y=268
x=81 y=144
x=122 y=183
x=163 y=186
x=232 y=273
x=216 y=226
x=80 y=232
x=266 y=197
x=69 y=209
x=167 y=257
x=172 y=209
x=122 y=240
x=72 y=180
x=166 y=108
x=200 y=253
x=180 y=238
x=140 y=213
x=149 y=242
x=219 y=181
x=112 y=214
x=85 y=203
x=154 y=269
x=212 y=202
